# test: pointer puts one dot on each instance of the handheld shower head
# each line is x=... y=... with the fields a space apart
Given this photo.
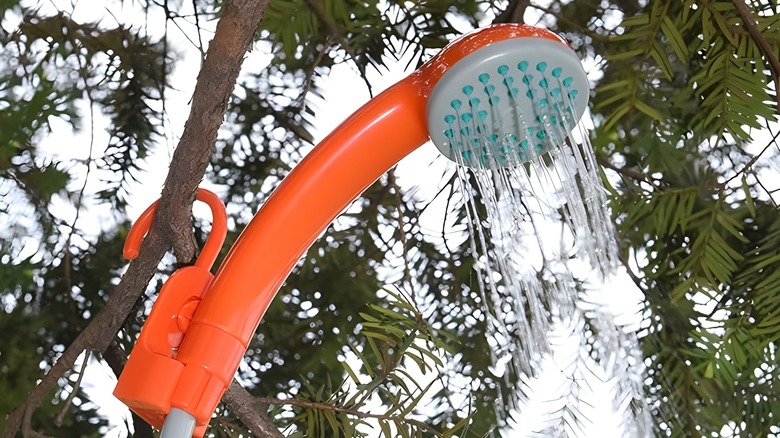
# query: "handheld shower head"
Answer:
x=508 y=101
x=510 y=87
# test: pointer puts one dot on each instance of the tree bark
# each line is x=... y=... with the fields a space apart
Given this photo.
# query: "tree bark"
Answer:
x=247 y=409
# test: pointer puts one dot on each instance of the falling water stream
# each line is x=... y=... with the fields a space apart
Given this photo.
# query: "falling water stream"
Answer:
x=531 y=214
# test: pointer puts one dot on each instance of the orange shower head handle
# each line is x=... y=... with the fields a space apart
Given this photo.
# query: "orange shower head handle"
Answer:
x=337 y=170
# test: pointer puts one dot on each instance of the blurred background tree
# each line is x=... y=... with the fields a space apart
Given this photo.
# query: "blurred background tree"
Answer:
x=683 y=107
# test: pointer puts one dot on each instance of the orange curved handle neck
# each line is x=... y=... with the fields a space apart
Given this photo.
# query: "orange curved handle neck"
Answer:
x=337 y=170
x=341 y=167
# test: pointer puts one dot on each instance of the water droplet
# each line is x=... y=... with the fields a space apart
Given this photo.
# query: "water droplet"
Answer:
x=455 y=104
x=448 y=133
x=449 y=119
x=522 y=65
x=468 y=89
x=543 y=83
x=556 y=72
x=466 y=117
x=568 y=81
x=484 y=78
x=503 y=69
x=542 y=66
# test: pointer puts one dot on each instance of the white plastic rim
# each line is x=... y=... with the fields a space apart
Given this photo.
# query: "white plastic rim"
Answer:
x=507 y=102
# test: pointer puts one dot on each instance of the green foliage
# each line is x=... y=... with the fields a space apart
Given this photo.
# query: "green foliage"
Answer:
x=59 y=63
x=395 y=348
x=45 y=306
x=701 y=48
x=695 y=232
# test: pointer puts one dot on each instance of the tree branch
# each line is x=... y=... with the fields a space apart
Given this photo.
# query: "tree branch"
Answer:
x=74 y=392
x=216 y=81
x=763 y=44
x=514 y=12
x=244 y=405
x=753 y=160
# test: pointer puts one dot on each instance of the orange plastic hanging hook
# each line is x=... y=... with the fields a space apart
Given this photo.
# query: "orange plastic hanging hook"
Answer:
x=150 y=375
x=213 y=244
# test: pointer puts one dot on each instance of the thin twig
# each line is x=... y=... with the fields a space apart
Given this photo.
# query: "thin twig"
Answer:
x=637 y=281
x=768 y=192
x=451 y=185
x=401 y=233
x=753 y=160
x=197 y=26
x=72 y=395
x=67 y=257
x=309 y=78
